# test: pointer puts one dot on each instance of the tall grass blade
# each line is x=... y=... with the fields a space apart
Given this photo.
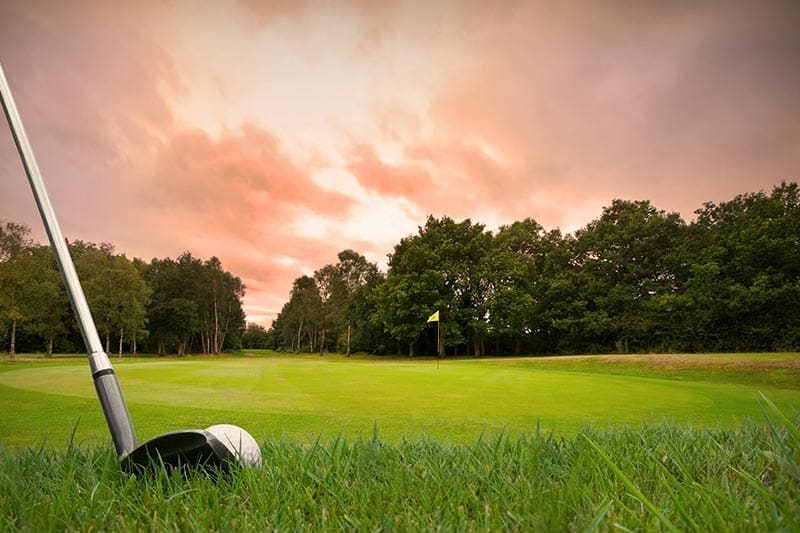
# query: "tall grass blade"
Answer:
x=759 y=487
x=601 y=513
x=638 y=494
x=790 y=426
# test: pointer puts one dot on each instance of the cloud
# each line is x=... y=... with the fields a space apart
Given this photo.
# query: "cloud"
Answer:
x=86 y=79
x=660 y=101
x=238 y=197
x=121 y=169
x=275 y=134
x=552 y=110
x=241 y=175
x=408 y=181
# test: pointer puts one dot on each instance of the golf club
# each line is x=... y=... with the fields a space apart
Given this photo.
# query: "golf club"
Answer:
x=219 y=445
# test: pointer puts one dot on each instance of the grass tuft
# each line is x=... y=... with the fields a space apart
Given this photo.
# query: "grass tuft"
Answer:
x=662 y=476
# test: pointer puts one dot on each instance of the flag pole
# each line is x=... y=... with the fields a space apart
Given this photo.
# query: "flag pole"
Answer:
x=436 y=317
x=438 y=341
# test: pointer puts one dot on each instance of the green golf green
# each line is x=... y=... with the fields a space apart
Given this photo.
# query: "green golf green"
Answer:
x=304 y=397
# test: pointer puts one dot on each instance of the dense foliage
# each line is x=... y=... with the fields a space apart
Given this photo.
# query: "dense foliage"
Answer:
x=636 y=279
x=164 y=306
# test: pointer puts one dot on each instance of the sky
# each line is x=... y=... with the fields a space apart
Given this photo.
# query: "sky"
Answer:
x=274 y=134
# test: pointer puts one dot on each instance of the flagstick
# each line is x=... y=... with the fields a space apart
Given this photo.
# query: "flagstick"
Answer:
x=438 y=342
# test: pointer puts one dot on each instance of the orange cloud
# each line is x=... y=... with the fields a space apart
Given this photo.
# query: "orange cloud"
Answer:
x=119 y=168
x=236 y=197
x=269 y=147
x=408 y=181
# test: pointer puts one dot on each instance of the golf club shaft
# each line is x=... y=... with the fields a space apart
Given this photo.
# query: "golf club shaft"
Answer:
x=105 y=381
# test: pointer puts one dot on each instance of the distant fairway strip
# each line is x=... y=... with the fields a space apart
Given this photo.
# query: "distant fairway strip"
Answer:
x=305 y=396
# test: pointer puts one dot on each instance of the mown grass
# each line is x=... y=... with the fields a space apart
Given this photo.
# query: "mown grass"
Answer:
x=497 y=444
x=305 y=396
x=653 y=477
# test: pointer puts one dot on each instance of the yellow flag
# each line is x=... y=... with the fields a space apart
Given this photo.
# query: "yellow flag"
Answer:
x=434 y=317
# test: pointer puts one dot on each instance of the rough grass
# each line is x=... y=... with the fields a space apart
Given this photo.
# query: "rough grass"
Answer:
x=654 y=477
x=765 y=369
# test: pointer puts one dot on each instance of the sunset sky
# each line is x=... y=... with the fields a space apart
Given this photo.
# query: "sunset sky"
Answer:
x=276 y=134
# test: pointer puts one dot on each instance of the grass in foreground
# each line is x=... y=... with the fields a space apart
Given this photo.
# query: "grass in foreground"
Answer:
x=654 y=477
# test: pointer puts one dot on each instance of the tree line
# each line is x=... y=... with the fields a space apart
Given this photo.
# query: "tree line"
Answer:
x=165 y=306
x=636 y=279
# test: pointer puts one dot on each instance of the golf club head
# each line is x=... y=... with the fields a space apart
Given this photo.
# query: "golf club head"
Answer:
x=218 y=446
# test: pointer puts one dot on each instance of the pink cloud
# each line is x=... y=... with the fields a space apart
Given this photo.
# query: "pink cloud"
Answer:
x=408 y=181
x=495 y=111
x=235 y=197
x=120 y=170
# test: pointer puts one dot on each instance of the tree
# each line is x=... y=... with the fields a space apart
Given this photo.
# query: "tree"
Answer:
x=256 y=336
x=442 y=267
x=403 y=302
x=172 y=313
x=332 y=297
x=224 y=318
x=16 y=283
x=628 y=258
x=49 y=304
x=115 y=291
x=744 y=286
x=519 y=274
x=300 y=314
x=194 y=300
x=363 y=334
x=337 y=284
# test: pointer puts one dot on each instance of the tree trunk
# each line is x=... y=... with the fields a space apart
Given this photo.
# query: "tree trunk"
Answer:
x=322 y=344
x=161 y=349
x=108 y=341
x=121 y=336
x=216 y=326
x=299 y=331
x=224 y=330
x=517 y=346
x=13 y=348
x=348 y=339
x=50 y=346
x=411 y=349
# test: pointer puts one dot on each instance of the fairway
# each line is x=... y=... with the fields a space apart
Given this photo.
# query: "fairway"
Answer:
x=303 y=397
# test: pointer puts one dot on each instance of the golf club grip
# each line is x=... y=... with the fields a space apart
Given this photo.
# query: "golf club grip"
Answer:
x=117 y=417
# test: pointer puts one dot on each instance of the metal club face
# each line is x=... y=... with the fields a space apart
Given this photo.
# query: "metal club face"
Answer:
x=180 y=449
x=220 y=446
